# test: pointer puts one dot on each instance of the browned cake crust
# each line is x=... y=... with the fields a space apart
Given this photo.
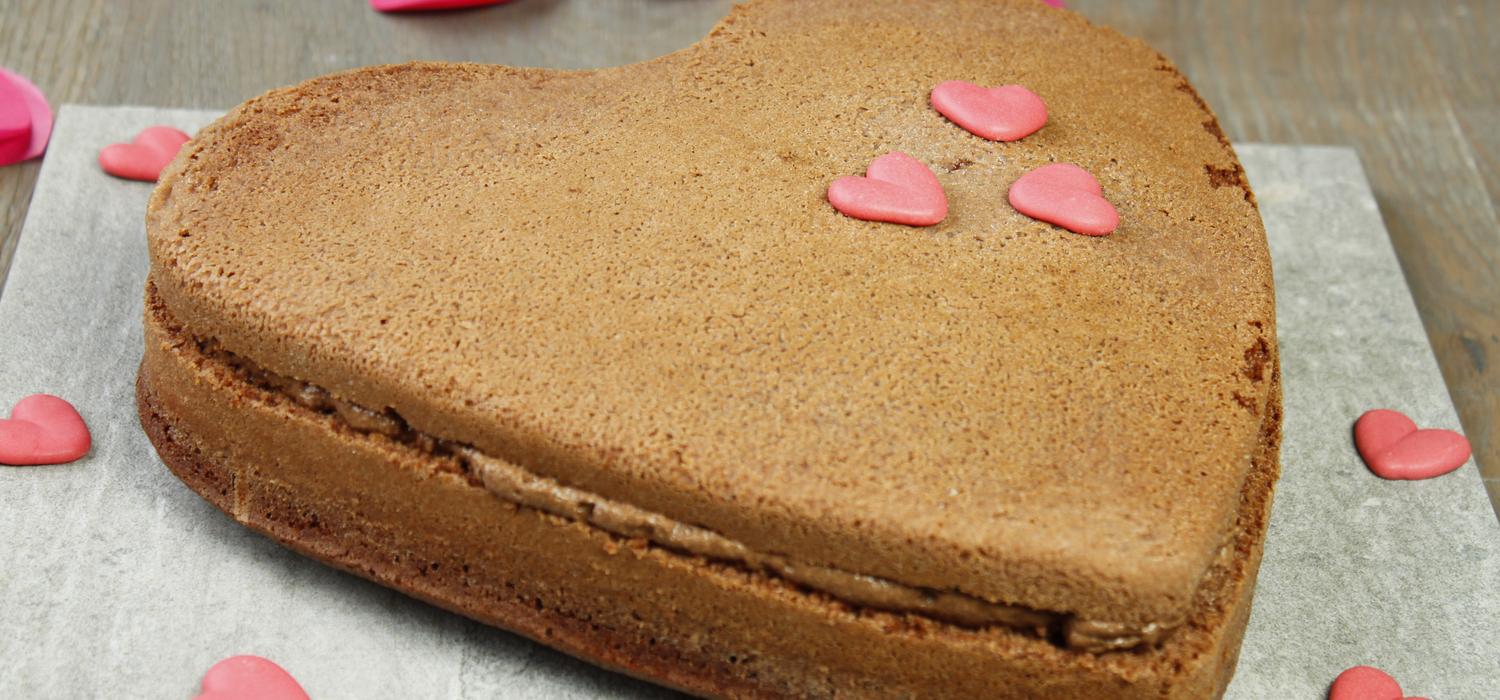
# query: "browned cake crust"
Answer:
x=387 y=512
x=615 y=303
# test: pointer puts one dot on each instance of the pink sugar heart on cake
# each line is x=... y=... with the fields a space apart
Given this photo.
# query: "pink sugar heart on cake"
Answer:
x=896 y=188
x=1004 y=113
x=1066 y=195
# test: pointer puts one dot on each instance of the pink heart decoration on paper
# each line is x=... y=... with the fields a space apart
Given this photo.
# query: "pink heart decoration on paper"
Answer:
x=1394 y=448
x=43 y=429
x=1366 y=683
x=249 y=678
x=15 y=125
x=145 y=156
x=1004 y=113
x=896 y=188
x=425 y=5
x=1066 y=195
x=25 y=119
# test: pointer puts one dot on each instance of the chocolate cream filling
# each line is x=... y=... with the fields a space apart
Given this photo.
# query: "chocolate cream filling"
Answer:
x=524 y=488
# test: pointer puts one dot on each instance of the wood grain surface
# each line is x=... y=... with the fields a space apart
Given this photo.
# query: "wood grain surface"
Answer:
x=1410 y=84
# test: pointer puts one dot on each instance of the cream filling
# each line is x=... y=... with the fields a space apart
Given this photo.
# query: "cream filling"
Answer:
x=516 y=485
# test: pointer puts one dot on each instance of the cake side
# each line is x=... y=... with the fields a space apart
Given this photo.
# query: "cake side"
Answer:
x=753 y=363
x=384 y=511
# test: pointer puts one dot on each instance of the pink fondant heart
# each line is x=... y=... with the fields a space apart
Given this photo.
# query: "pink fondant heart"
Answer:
x=25 y=119
x=1066 y=195
x=896 y=188
x=15 y=125
x=145 y=156
x=43 y=429
x=249 y=678
x=1394 y=448
x=424 y=5
x=1004 y=113
x=1366 y=683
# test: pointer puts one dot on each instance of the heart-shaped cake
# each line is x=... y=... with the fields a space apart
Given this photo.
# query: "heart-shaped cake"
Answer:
x=590 y=356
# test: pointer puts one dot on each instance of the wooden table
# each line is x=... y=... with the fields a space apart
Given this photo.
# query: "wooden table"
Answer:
x=1411 y=85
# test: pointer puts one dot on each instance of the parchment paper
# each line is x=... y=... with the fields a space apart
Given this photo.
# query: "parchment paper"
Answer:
x=117 y=581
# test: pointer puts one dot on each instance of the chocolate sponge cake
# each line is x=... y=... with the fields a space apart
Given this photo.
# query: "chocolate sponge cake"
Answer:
x=589 y=356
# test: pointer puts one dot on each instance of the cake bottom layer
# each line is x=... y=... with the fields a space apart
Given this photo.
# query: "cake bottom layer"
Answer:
x=385 y=511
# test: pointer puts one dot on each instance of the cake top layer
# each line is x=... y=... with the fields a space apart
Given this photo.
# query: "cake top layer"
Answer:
x=629 y=280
